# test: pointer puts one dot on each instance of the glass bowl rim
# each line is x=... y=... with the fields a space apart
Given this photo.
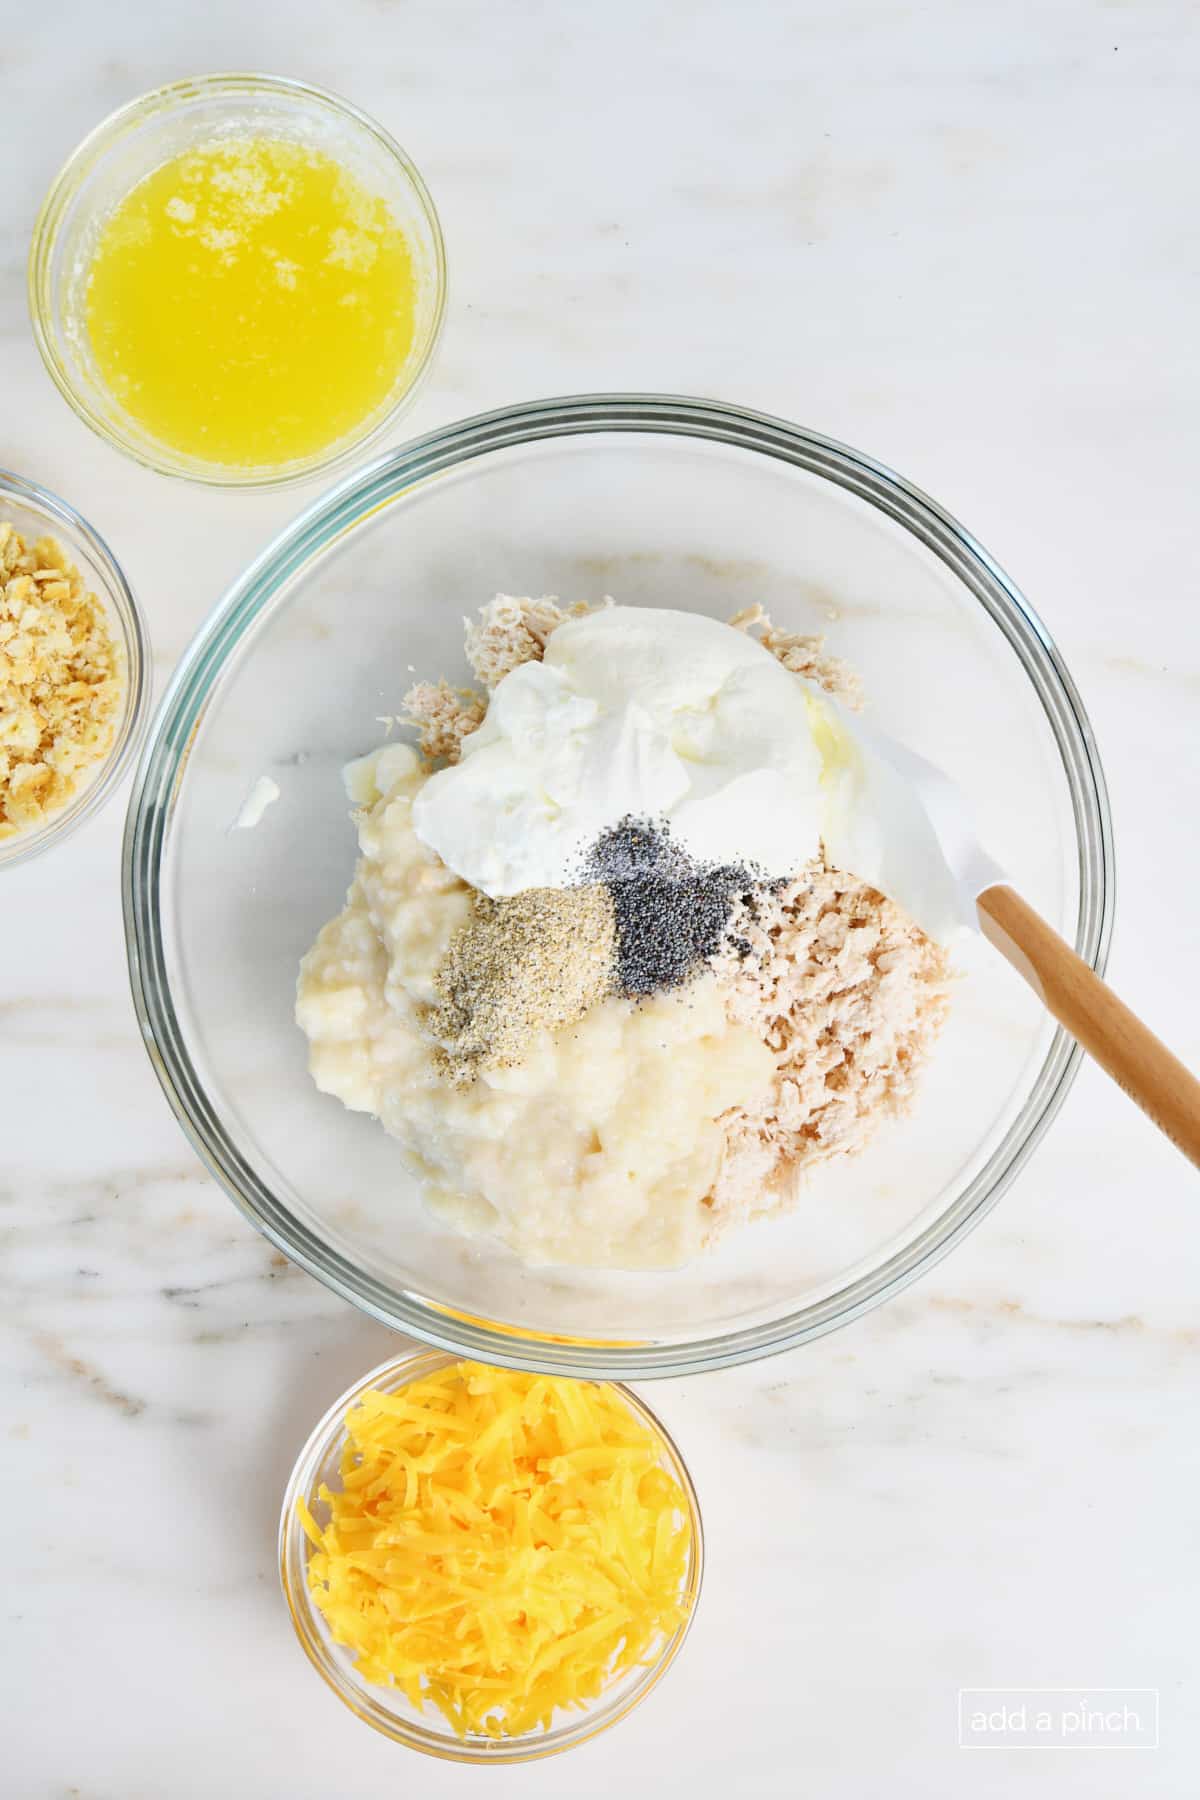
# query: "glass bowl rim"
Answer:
x=395 y=1372
x=135 y=638
x=157 y=784
x=73 y=172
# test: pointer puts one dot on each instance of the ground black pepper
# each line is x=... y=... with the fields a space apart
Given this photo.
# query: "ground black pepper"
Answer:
x=519 y=967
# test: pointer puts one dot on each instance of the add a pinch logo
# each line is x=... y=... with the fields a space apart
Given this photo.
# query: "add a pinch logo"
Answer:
x=1058 y=1718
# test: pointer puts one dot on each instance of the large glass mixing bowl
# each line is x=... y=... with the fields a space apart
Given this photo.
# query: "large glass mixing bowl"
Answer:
x=656 y=501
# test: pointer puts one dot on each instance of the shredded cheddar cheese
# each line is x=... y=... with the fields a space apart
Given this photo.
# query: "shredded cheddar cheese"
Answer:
x=503 y=1545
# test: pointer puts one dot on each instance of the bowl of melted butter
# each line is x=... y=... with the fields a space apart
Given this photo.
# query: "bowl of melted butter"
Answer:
x=238 y=279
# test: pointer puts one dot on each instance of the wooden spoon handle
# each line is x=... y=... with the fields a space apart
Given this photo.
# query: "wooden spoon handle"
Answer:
x=1124 y=1047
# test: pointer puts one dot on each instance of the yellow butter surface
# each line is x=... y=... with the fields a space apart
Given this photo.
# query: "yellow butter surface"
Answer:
x=251 y=302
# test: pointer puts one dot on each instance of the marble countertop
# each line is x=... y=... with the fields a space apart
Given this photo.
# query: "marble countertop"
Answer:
x=962 y=238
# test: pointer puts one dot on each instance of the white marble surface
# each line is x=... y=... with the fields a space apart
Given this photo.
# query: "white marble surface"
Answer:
x=962 y=237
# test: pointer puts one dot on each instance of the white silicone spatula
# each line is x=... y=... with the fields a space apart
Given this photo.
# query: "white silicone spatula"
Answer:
x=965 y=883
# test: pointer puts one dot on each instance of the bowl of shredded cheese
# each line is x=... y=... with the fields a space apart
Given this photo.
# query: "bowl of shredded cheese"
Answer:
x=489 y=1565
x=74 y=670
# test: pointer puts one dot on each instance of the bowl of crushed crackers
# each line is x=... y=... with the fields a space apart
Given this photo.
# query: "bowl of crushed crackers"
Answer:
x=74 y=670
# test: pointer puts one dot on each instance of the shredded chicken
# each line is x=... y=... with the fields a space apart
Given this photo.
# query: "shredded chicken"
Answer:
x=513 y=631
x=850 y=996
x=442 y=717
x=803 y=655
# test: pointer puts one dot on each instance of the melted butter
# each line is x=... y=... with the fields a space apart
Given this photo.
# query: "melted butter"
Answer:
x=251 y=302
x=835 y=748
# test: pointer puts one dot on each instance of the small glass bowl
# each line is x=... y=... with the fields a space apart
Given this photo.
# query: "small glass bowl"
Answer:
x=387 y=1709
x=37 y=513
x=140 y=137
